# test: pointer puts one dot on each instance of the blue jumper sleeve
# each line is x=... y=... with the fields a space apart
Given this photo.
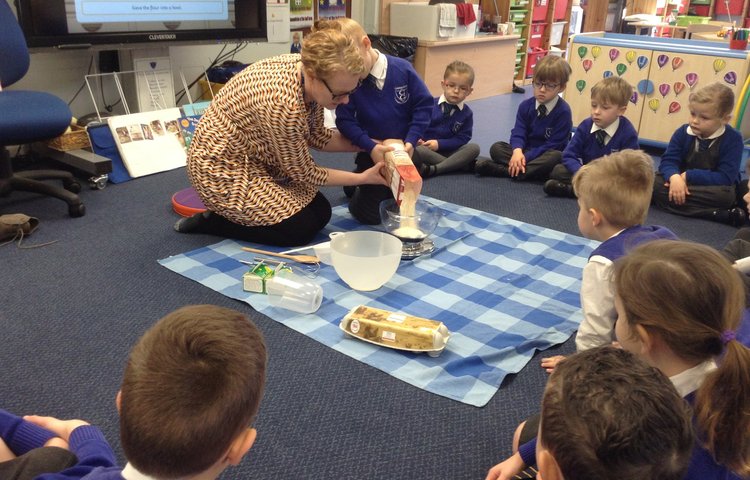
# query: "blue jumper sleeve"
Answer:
x=93 y=451
x=671 y=160
x=21 y=436
x=519 y=134
x=422 y=111
x=573 y=153
x=347 y=124
x=528 y=452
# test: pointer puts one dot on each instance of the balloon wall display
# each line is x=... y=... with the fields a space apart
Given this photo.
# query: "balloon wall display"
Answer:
x=587 y=64
x=664 y=89
x=719 y=64
x=662 y=60
x=596 y=51
x=674 y=107
x=678 y=87
x=642 y=62
x=731 y=78
x=580 y=85
x=634 y=98
x=653 y=104
x=645 y=87
x=613 y=54
x=676 y=63
x=582 y=52
x=630 y=56
x=607 y=74
x=621 y=69
x=691 y=79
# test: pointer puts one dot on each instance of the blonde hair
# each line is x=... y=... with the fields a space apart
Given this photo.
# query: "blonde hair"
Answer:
x=691 y=297
x=460 y=68
x=552 y=69
x=717 y=94
x=612 y=90
x=618 y=185
x=329 y=50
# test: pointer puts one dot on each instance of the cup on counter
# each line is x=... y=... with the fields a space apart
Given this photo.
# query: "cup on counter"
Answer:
x=294 y=292
x=502 y=28
x=511 y=27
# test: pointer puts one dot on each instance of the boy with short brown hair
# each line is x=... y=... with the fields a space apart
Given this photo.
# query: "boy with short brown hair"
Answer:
x=542 y=129
x=445 y=147
x=604 y=132
x=191 y=389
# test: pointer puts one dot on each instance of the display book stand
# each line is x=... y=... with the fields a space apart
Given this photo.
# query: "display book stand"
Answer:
x=138 y=91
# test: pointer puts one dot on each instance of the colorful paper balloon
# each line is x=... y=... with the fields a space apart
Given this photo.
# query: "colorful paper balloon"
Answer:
x=674 y=107
x=662 y=60
x=719 y=64
x=587 y=64
x=596 y=51
x=621 y=68
x=678 y=87
x=607 y=73
x=731 y=78
x=645 y=87
x=613 y=54
x=691 y=79
x=653 y=104
x=676 y=63
x=582 y=51
x=664 y=89
x=580 y=85
x=634 y=98
x=642 y=62
x=630 y=56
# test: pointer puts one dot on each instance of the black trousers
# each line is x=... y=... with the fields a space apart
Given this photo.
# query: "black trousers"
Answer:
x=701 y=202
x=36 y=462
x=299 y=229
x=537 y=169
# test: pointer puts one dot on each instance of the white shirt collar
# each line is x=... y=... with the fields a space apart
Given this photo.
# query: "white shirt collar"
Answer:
x=130 y=473
x=692 y=378
x=550 y=105
x=444 y=100
x=379 y=70
x=611 y=129
x=719 y=132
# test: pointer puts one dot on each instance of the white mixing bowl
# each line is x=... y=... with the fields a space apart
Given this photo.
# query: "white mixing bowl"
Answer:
x=365 y=260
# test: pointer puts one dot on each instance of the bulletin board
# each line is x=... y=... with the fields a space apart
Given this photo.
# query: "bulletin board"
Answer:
x=662 y=72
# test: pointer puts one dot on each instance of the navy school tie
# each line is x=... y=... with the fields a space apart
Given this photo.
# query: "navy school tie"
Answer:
x=703 y=145
x=542 y=111
x=448 y=109
x=601 y=137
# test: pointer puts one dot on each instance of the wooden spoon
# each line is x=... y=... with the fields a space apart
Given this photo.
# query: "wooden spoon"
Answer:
x=309 y=259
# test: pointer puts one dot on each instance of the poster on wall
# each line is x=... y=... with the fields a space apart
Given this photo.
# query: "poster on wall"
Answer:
x=331 y=9
x=301 y=14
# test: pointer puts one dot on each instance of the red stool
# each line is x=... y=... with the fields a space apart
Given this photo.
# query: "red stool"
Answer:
x=187 y=203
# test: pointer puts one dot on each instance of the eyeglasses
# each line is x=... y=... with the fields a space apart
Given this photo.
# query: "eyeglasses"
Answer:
x=548 y=86
x=336 y=96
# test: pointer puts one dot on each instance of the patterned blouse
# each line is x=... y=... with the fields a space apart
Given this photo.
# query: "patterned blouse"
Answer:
x=249 y=159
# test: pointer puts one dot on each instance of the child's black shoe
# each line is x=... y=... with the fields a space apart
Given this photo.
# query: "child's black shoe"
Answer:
x=731 y=216
x=555 y=188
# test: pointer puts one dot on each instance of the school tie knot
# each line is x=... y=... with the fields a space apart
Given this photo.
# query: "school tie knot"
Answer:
x=371 y=81
x=448 y=109
x=541 y=111
x=703 y=144
x=601 y=137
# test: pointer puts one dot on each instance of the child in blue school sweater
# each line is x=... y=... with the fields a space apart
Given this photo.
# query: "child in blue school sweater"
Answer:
x=542 y=129
x=700 y=171
x=446 y=146
x=393 y=102
x=604 y=132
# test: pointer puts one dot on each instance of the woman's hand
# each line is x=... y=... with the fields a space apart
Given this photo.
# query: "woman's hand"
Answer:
x=373 y=176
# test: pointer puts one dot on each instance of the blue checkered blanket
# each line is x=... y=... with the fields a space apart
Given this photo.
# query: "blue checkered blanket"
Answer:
x=502 y=287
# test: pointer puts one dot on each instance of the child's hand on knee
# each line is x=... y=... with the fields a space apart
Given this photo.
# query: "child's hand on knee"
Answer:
x=517 y=163
x=61 y=428
x=549 y=363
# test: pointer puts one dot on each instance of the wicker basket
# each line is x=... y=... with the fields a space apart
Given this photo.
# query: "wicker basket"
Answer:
x=76 y=138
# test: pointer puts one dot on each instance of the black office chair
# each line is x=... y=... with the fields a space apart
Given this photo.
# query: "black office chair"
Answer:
x=26 y=117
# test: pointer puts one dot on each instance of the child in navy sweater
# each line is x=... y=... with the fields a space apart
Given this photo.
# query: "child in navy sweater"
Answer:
x=604 y=132
x=700 y=170
x=447 y=148
x=393 y=102
x=542 y=129
x=190 y=392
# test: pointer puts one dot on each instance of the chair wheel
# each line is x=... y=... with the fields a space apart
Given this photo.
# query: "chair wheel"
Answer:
x=98 y=182
x=72 y=186
x=78 y=210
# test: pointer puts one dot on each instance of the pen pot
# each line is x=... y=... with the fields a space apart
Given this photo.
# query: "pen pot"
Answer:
x=737 y=44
